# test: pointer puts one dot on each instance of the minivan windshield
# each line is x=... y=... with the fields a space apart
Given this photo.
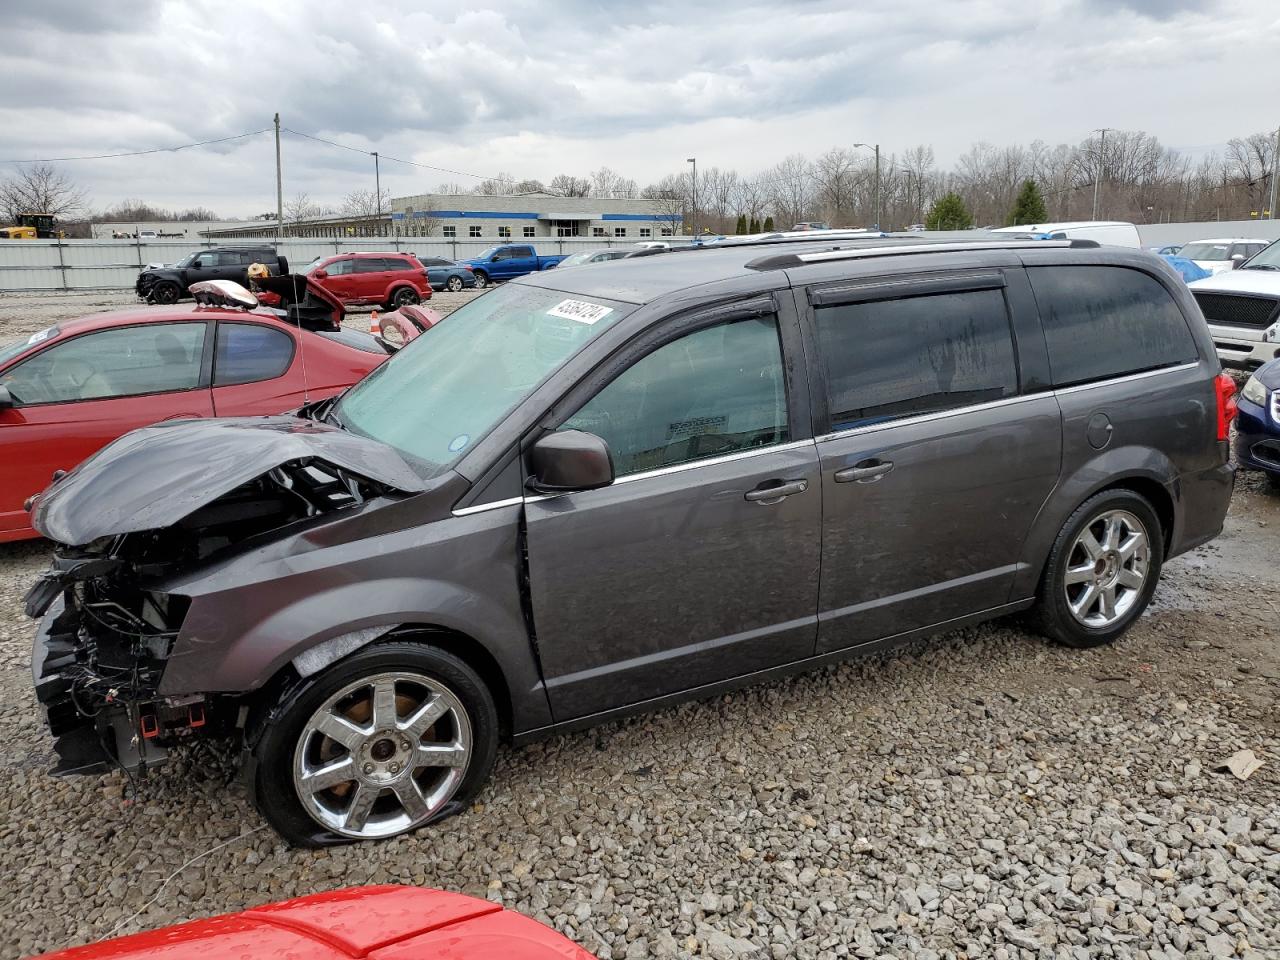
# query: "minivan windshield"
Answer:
x=1267 y=259
x=436 y=398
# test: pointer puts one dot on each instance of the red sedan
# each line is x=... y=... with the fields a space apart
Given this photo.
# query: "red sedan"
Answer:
x=368 y=923
x=67 y=391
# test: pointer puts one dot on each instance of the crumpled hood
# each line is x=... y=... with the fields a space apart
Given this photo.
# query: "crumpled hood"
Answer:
x=153 y=477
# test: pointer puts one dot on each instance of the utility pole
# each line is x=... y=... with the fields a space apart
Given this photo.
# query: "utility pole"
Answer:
x=377 y=190
x=1275 y=170
x=694 y=225
x=279 y=187
x=1097 y=175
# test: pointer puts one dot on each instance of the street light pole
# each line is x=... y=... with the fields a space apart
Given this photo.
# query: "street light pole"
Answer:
x=694 y=198
x=1275 y=169
x=1097 y=174
x=876 y=148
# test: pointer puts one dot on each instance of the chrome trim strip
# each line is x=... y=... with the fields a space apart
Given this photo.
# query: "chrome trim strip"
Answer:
x=938 y=415
x=855 y=252
x=1127 y=378
x=483 y=507
x=712 y=461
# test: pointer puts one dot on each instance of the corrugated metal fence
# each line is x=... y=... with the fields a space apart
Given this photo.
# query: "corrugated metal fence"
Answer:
x=55 y=265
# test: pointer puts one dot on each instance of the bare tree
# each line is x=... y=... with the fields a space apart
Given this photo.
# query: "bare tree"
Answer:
x=301 y=206
x=567 y=185
x=606 y=182
x=752 y=196
x=672 y=194
x=792 y=188
x=835 y=175
x=363 y=203
x=40 y=188
x=718 y=191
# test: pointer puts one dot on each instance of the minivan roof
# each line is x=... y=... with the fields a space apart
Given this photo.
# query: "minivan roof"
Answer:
x=641 y=280
x=1065 y=225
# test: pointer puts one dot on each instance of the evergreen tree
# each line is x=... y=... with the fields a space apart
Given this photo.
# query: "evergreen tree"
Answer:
x=768 y=224
x=949 y=213
x=741 y=226
x=755 y=226
x=1029 y=208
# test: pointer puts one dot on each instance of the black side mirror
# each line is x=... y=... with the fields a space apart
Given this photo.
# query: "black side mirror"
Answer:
x=6 y=399
x=567 y=460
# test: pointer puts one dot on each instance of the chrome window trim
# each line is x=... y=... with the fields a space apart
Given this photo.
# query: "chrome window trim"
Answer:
x=1128 y=377
x=483 y=507
x=934 y=415
x=691 y=465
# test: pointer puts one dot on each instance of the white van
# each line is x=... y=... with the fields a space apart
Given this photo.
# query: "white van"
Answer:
x=1115 y=233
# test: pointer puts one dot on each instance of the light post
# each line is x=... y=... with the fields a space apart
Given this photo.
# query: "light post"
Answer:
x=1275 y=169
x=694 y=197
x=1097 y=175
x=876 y=148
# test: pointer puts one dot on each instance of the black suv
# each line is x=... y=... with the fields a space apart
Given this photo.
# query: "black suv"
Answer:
x=591 y=492
x=170 y=283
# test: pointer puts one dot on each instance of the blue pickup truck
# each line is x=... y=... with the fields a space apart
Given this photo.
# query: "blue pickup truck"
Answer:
x=508 y=262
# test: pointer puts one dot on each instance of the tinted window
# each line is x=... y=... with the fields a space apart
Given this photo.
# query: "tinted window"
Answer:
x=339 y=267
x=434 y=262
x=712 y=392
x=899 y=358
x=1104 y=322
x=248 y=352
x=154 y=358
x=522 y=251
x=370 y=265
x=395 y=264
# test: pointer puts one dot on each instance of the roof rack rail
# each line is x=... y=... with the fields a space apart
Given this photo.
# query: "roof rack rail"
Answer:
x=782 y=261
x=811 y=237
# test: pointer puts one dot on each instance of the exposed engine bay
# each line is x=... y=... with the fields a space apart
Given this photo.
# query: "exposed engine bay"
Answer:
x=110 y=627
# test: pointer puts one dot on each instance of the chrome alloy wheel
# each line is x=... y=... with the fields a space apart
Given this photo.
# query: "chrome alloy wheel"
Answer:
x=1107 y=569
x=382 y=755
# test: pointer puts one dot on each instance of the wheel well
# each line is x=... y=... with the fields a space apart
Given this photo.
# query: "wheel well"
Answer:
x=1160 y=500
x=473 y=655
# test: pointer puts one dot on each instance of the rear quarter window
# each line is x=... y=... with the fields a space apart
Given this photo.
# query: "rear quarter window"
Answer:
x=1102 y=322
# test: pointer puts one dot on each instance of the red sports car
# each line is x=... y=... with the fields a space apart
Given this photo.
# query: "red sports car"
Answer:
x=68 y=390
x=369 y=923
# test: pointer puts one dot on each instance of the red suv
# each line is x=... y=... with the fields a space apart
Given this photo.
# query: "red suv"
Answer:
x=389 y=280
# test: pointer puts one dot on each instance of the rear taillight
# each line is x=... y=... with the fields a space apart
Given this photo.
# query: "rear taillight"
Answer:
x=1226 y=390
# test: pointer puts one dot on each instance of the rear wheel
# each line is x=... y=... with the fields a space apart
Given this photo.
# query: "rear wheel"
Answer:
x=166 y=292
x=1273 y=478
x=482 y=279
x=1101 y=571
x=454 y=284
x=403 y=297
x=390 y=739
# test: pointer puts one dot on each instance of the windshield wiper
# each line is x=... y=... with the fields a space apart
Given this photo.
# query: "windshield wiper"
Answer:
x=1260 y=266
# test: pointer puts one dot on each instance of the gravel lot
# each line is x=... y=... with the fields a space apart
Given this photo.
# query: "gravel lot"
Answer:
x=980 y=794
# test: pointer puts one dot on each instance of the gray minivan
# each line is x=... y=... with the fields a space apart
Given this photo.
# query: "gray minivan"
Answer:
x=593 y=492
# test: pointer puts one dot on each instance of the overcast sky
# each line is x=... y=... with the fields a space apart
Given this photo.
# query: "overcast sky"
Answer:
x=537 y=87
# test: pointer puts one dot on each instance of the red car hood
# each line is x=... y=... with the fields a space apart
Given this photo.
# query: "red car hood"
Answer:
x=362 y=923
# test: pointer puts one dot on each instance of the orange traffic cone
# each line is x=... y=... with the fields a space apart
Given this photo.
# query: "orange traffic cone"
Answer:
x=375 y=326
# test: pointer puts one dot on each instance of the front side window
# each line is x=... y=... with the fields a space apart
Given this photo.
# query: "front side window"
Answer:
x=249 y=352
x=718 y=390
x=441 y=394
x=127 y=361
x=888 y=359
x=338 y=268
x=1102 y=322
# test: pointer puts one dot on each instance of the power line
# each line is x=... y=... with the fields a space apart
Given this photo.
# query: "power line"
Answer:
x=387 y=156
x=143 y=153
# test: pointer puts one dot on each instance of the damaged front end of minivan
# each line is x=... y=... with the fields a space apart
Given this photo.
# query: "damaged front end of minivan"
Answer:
x=137 y=517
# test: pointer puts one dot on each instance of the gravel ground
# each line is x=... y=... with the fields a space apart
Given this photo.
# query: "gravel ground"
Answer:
x=980 y=794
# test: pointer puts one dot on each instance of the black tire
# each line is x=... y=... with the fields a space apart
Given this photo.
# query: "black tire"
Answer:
x=1273 y=478
x=403 y=297
x=1052 y=615
x=453 y=284
x=166 y=292
x=482 y=279
x=269 y=769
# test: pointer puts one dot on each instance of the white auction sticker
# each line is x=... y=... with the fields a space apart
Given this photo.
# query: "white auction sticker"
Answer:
x=580 y=310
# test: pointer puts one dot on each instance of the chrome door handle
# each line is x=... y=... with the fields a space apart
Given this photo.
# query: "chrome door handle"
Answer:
x=776 y=494
x=867 y=471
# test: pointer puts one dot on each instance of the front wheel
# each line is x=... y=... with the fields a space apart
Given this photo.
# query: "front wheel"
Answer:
x=453 y=284
x=165 y=292
x=482 y=279
x=1101 y=571
x=384 y=742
